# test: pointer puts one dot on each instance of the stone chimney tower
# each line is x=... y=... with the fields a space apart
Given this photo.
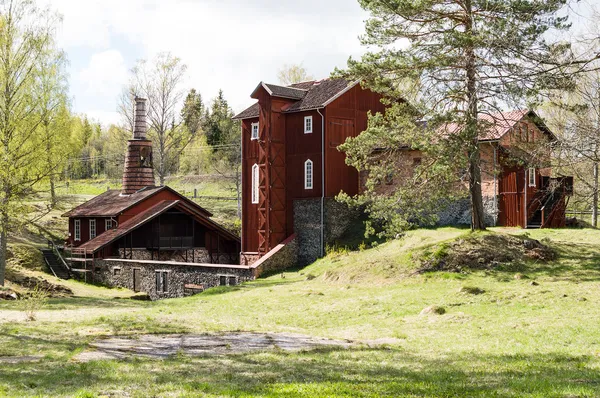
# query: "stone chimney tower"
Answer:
x=138 y=171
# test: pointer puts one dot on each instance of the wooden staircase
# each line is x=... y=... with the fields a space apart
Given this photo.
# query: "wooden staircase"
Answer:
x=57 y=266
x=548 y=207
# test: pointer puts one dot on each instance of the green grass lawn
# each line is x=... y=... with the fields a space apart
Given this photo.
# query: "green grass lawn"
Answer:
x=517 y=339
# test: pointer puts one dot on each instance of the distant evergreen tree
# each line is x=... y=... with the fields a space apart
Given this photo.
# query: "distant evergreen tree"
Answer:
x=219 y=122
x=193 y=112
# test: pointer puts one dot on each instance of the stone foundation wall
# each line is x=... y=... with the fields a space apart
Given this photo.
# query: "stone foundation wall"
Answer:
x=284 y=256
x=119 y=273
x=197 y=256
x=459 y=212
x=307 y=225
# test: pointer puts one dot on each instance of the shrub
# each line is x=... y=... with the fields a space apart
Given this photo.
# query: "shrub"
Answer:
x=32 y=302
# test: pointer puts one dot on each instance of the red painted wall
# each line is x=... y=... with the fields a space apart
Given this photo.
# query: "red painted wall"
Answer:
x=345 y=117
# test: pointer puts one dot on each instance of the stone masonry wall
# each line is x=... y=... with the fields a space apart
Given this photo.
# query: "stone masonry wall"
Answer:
x=200 y=256
x=307 y=225
x=284 y=256
x=459 y=212
x=119 y=273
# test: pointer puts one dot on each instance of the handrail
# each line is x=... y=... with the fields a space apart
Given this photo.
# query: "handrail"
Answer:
x=55 y=251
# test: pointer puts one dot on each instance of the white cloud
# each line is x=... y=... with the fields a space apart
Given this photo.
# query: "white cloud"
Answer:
x=227 y=44
x=105 y=74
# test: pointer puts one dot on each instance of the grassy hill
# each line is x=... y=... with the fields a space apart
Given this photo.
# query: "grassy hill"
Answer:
x=529 y=328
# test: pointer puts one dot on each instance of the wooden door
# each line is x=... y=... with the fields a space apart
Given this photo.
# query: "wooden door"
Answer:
x=512 y=193
x=137 y=280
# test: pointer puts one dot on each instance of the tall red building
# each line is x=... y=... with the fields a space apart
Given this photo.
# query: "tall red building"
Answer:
x=290 y=161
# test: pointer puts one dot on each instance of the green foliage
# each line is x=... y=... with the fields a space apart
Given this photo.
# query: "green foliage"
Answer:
x=32 y=302
x=452 y=61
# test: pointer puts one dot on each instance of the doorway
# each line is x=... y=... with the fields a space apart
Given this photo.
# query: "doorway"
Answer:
x=137 y=280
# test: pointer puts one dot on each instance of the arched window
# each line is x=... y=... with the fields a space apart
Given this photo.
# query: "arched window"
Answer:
x=308 y=174
x=255 y=183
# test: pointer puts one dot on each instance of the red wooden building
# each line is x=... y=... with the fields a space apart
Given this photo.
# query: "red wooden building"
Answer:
x=289 y=153
x=145 y=222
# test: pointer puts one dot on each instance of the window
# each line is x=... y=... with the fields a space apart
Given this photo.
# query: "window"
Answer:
x=308 y=174
x=108 y=224
x=532 y=177
x=232 y=280
x=92 y=228
x=77 y=229
x=162 y=282
x=254 y=131
x=116 y=271
x=222 y=280
x=255 y=183
x=308 y=124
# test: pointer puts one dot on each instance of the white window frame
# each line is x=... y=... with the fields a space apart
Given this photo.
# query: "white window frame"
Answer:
x=255 y=183
x=252 y=135
x=108 y=224
x=306 y=129
x=309 y=179
x=531 y=183
x=92 y=228
x=77 y=230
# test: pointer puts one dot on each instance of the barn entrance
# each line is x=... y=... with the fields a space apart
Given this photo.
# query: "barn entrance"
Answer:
x=511 y=196
x=137 y=280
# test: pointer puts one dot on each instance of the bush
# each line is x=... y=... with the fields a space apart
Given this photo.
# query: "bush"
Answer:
x=33 y=302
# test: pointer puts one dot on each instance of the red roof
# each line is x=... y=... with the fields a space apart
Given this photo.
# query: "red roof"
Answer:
x=112 y=203
x=500 y=123
x=142 y=218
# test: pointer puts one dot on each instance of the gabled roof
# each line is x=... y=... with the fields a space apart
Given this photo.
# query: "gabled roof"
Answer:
x=308 y=95
x=501 y=123
x=112 y=203
x=144 y=217
x=281 y=91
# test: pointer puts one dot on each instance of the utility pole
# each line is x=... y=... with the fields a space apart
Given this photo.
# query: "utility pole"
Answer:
x=595 y=197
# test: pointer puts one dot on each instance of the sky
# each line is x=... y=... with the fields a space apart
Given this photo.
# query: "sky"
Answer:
x=226 y=44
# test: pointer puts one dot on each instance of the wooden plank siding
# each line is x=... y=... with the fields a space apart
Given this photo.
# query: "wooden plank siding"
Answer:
x=345 y=117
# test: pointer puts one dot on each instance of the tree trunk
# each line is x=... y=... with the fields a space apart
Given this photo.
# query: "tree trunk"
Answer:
x=53 y=199
x=3 y=246
x=477 y=215
x=595 y=198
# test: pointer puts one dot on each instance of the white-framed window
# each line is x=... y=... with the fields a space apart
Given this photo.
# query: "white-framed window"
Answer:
x=308 y=174
x=162 y=281
x=77 y=230
x=532 y=177
x=108 y=224
x=255 y=183
x=308 y=125
x=255 y=131
x=92 y=228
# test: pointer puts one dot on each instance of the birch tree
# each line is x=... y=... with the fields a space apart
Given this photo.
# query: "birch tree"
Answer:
x=26 y=38
x=160 y=82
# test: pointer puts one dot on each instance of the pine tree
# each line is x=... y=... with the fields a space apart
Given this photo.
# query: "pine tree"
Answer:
x=461 y=58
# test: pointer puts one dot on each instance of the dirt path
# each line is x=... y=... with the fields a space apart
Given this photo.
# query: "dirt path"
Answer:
x=163 y=346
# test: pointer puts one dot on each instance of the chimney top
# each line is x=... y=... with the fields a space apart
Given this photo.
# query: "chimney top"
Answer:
x=139 y=124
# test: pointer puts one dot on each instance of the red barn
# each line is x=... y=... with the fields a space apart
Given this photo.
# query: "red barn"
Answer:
x=149 y=238
x=291 y=164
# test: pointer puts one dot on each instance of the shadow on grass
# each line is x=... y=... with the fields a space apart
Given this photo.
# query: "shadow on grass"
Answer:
x=321 y=373
x=575 y=262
